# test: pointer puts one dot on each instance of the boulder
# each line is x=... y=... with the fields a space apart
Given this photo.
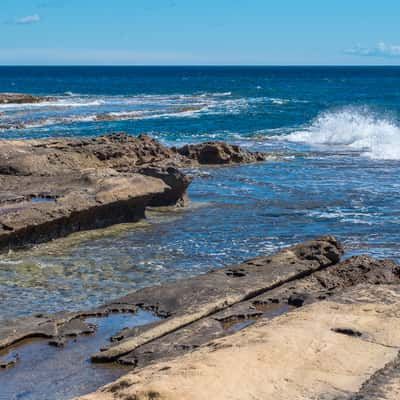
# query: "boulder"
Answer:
x=220 y=153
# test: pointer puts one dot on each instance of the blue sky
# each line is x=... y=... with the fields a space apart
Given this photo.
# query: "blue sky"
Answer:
x=281 y=32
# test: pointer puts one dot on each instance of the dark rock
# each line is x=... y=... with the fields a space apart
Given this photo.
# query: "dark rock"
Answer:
x=329 y=254
x=177 y=184
x=298 y=299
x=58 y=342
x=220 y=153
x=52 y=187
x=9 y=362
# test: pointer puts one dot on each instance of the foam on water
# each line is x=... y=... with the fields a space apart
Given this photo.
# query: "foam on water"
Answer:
x=77 y=108
x=353 y=129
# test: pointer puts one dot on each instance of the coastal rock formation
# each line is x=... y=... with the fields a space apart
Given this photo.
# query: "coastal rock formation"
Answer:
x=219 y=153
x=188 y=300
x=120 y=151
x=54 y=156
x=53 y=187
x=36 y=209
x=342 y=348
x=281 y=300
x=21 y=98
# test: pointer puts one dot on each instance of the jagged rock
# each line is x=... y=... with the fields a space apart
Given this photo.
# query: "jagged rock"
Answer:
x=32 y=171
x=120 y=151
x=220 y=153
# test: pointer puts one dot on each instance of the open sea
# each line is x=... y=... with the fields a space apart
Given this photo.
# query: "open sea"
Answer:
x=335 y=131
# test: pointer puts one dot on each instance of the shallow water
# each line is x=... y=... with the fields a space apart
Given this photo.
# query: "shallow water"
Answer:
x=336 y=130
x=49 y=373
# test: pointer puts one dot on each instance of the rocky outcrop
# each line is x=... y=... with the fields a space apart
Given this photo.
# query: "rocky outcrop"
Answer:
x=303 y=310
x=121 y=152
x=187 y=300
x=36 y=209
x=343 y=348
x=20 y=98
x=50 y=187
x=220 y=153
x=124 y=153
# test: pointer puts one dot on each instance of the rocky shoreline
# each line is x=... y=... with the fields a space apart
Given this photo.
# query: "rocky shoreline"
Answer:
x=53 y=187
x=299 y=309
x=303 y=323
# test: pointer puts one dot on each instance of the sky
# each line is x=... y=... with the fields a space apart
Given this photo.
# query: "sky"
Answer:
x=199 y=32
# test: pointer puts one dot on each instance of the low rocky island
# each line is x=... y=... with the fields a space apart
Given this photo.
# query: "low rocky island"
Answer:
x=53 y=187
x=21 y=98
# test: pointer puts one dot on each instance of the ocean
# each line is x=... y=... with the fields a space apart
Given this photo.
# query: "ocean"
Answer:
x=335 y=132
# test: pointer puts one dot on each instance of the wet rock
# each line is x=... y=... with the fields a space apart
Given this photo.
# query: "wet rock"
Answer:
x=220 y=153
x=179 y=303
x=52 y=187
x=9 y=362
x=20 y=98
x=273 y=303
x=77 y=327
x=58 y=342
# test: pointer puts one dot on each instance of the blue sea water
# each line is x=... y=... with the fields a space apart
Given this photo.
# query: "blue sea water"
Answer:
x=335 y=131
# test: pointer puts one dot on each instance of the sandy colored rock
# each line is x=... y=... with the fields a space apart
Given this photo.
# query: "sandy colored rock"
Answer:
x=323 y=351
x=314 y=287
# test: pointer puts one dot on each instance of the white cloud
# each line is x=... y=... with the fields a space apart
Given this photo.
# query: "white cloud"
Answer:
x=380 y=50
x=29 y=19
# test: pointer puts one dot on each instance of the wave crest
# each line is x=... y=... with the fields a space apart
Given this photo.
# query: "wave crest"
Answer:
x=361 y=130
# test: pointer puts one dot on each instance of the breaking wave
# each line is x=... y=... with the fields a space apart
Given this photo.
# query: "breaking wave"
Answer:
x=353 y=129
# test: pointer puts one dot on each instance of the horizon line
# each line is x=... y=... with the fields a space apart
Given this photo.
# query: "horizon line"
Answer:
x=202 y=65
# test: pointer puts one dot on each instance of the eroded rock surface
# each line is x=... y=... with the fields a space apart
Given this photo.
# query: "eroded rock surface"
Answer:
x=36 y=209
x=298 y=324
x=286 y=297
x=52 y=187
x=188 y=300
x=306 y=354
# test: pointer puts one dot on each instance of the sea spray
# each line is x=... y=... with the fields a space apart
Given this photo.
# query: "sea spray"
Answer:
x=353 y=129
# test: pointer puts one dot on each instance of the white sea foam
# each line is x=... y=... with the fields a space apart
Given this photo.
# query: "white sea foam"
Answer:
x=62 y=103
x=353 y=129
